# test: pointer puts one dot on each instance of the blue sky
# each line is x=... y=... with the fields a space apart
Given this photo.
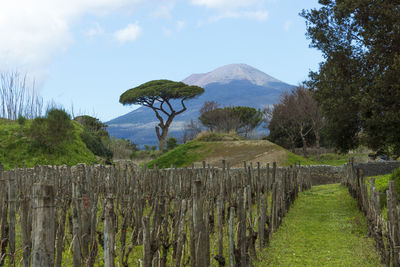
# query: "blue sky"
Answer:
x=85 y=53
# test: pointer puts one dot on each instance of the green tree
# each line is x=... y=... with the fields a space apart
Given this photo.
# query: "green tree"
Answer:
x=240 y=119
x=358 y=84
x=158 y=96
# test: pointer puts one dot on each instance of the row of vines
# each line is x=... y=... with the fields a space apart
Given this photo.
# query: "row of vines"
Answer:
x=385 y=231
x=107 y=216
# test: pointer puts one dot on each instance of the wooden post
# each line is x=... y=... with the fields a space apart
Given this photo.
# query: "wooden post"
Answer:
x=231 y=238
x=109 y=232
x=43 y=225
x=147 y=258
x=76 y=244
x=3 y=214
x=273 y=173
x=12 y=192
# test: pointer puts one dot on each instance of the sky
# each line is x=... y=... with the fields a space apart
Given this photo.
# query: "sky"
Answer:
x=83 y=54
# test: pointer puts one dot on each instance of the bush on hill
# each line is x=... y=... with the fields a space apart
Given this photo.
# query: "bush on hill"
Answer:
x=52 y=130
x=17 y=147
x=95 y=136
x=215 y=136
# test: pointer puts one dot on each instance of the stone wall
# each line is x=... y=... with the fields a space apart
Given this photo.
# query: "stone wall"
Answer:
x=324 y=174
x=377 y=168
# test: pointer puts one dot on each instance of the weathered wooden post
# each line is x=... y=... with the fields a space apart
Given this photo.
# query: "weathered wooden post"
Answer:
x=3 y=215
x=43 y=225
x=12 y=192
x=109 y=232
x=147 y=257
x=231 y=238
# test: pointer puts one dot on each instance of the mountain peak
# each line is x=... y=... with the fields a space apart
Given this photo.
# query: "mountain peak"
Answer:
x=228 y=73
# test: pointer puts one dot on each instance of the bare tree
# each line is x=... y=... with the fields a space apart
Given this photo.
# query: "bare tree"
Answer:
x=313 y=113
x=190 y=130
x=297 y=110
x=18 y=98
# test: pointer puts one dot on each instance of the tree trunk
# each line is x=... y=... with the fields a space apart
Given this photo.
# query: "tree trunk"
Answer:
x=303 y=139
x=164 y=132
x=162 y=138
x=317 y=138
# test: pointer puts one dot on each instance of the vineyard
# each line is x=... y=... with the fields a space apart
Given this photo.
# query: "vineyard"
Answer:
x=385 y=231
x=107 y=216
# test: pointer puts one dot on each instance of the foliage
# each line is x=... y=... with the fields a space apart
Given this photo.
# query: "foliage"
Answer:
x=295 y=159
x=323 y=228
x=93 y=135
x=17 y=148
x=382 y=184
x=149 y=148
x=295 y=119
x=171 y=143
x=52 y=130
x=145 y=155
x=21 y=120
x=240 y=119
x=358 y=85
x=120 y=148
x=213 y=136
x=94 y=143
x=396 y=178
x=92 y=124
x=158 y=95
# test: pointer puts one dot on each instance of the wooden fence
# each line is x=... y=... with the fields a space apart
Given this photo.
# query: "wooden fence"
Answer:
x=386 y=232
x=98 y=215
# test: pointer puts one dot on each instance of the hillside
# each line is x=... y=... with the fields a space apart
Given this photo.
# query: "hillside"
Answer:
x=16 y=148
x=234 y=152
x=234 y=84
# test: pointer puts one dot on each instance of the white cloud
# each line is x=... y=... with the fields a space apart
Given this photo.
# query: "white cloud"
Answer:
x=233 y=9
x=225 y=4
x=164 y=11
x=96 y=30
x=129 y=33
x=31 y=32
x=287 y=25
x=251 y=15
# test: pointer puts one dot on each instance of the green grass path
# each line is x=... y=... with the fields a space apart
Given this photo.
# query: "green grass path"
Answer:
x=322 y=228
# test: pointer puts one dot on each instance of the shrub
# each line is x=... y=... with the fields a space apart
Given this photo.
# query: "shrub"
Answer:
x=21 y=120
x=37 y=131
x=120 y=148
x=214 y=136
x=59 y=127
x=171 y=143
x=52 y=130
x=94 y=144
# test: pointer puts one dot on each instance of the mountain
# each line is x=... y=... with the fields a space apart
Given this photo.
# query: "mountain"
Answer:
x=230 y=85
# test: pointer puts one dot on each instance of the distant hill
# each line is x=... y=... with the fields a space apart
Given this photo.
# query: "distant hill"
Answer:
x=230 y=85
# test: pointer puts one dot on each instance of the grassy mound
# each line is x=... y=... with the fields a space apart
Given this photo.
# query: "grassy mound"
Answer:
x=16 y=148
x=233 y=151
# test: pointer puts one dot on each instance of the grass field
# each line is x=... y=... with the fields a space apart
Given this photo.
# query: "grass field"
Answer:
x=323 y=228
